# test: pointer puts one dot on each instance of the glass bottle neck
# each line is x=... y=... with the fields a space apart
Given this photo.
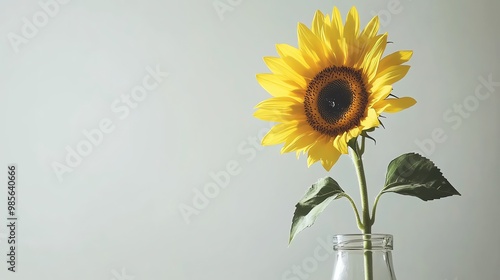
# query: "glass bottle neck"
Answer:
x=363 y=257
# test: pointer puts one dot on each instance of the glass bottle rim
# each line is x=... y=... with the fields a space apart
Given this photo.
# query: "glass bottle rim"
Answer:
x=353 y=242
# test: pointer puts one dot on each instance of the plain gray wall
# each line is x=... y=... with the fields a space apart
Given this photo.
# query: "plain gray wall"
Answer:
x=115 y=213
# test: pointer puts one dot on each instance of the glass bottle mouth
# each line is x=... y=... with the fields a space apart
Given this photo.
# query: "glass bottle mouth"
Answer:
x=343 y=242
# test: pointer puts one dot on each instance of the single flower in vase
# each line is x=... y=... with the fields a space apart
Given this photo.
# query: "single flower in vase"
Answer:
x=327 y=96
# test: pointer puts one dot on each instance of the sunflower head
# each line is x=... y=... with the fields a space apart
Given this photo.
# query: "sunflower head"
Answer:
x=332 y=88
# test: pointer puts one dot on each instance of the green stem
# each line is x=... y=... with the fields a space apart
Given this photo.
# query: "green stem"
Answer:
x=358 y=163
x=358 y=219
x=374 y=209
x=367 y=225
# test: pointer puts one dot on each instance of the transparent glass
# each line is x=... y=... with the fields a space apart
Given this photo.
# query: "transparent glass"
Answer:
x=352 y=259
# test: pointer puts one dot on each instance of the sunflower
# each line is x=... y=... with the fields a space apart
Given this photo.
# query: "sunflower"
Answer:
x=330 y=89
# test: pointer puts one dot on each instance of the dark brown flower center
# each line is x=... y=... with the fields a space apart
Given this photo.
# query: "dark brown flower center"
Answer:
x=336 y=100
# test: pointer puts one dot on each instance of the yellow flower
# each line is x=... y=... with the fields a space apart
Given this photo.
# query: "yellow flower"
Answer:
x=331 y=88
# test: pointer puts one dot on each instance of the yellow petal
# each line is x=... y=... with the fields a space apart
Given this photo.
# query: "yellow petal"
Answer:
x=293 y=58
x=272 y=116
x=323 y=150
x=331 y=52
x=337 y=25
x=372 y=58
x=278 y=102
x=327 y=19
x=336 y=37
x=330 y=160
x=394 y=105
x=314 y=154
x=285 y=50
x=280 y=132
x=366 y=36
x=317 y=23
x=395 y=58
x=353 y=132
x=371 y=29
x=299 y=143
x=351 y=30
x=278 y=66
x=280 y=109
x=380 y=94
x=371 y=119
x=276 y=85
x=389 y=76
x=340 y=143
x=297 y=154
x=311 y=47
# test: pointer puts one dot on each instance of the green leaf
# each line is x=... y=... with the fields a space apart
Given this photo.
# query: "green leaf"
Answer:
x=313 y=203
x=415 y=175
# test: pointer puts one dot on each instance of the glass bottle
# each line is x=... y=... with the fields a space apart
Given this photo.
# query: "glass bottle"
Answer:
x=353 y=261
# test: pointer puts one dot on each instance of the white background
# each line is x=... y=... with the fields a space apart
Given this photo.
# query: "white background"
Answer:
x=116 y=214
